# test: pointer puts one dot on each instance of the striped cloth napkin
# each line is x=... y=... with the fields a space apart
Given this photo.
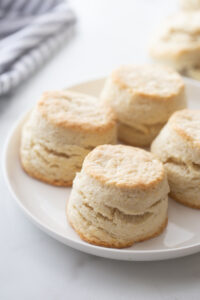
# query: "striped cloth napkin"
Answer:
x=30 y=31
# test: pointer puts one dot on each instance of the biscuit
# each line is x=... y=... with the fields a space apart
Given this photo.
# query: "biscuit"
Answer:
x=178 y=147
x=60 y=131
x=143 y=98
x=119 y=197
x=177 y=43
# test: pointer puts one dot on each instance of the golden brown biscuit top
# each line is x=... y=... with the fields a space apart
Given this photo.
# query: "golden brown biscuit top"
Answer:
x=186 y=123
x=149 y=80
x=76 y=111
x=124 y=166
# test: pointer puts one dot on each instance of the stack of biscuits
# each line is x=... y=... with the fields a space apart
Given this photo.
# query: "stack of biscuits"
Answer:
x=120 y=197
x=119 y=192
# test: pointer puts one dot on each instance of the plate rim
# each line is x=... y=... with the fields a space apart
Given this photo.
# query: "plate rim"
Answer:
x=119 y=254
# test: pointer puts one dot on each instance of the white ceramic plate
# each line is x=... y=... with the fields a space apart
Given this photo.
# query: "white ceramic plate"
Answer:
x=45 y=204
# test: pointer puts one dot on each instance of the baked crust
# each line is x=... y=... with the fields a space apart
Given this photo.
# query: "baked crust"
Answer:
x=150 y=81
x=117 y=244
x=113 y=165
x=186 y=123
x=184 y=202
x=76 y=111
x=40 y=177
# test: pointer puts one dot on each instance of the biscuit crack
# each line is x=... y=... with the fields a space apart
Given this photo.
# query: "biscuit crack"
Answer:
x=138 y=213
x=116 y=214
x=50 y=151
x=189 y=165
x=89 y=223
x=56 y=153
x=41 y=157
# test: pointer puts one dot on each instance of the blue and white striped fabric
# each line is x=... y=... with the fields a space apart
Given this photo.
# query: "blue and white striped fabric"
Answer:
x=30 y=31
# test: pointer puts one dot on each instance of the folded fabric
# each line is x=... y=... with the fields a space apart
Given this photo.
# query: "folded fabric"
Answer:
x=30 y=31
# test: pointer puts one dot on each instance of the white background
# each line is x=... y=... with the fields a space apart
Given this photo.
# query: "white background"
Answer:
x=33 y=265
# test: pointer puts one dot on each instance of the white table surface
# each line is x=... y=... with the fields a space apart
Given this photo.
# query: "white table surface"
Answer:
x=33 y=265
